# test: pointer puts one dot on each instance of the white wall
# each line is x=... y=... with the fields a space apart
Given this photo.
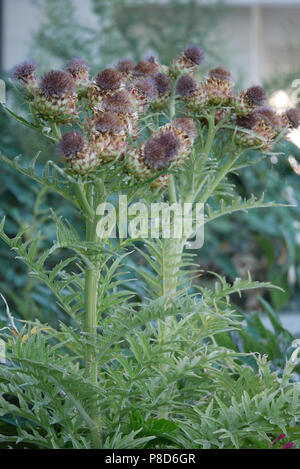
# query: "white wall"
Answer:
x=21 y=19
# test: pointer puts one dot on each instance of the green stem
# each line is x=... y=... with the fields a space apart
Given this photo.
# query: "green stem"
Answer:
x=224 y=171
x=56 y=131
x=170 y=267
x=212 y=129
x=172 y=190
x=82 y=200
x=90 y=321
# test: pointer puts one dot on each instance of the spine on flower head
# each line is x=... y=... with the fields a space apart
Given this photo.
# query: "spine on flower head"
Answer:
x=78 y=154
x=56 y=98
x=25 y=74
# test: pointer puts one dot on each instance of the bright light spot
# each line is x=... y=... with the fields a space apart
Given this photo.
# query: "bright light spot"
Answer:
x=280 y=100
x=294 y=137
x=292 y=276
x=294 y=164
x=274 y=159
x=292 y=161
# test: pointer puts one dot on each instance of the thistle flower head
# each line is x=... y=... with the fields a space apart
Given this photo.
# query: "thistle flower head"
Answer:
x=186 y=86
x=248 y=122
x=145 y=68
x=24 y=70
x=293 y=116
x=195 y=54
x=147 y=88
x=220 y=73
x=109 y=79
x=76 y=65
x=162 y=83
x=125 y=65
x=256 y=95
x=56 y=83
x=71 y=144
x=160 y=150
x=186 y=125
x=108 y=122
x=269 y=116
x=119 y=102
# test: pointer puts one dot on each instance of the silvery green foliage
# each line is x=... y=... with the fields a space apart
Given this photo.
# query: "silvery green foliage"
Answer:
x=183 y=392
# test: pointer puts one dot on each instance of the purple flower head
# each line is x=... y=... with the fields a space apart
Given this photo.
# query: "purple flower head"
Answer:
x=195 y=54
x=76 y=65
x=56 y=83
x=186 y=86
x=186 y=125
x=24 y=70
x=71 y=144
x=268 y=116
x=293 y=116
x=147 y=88
x=125 y=65
x=109 y=79
x=220 y=73
x=162 y=83
x=256 y=95
x=160 y=150
x=108 y=122
x=145 y=68
x=119 y=102
x=248 y=122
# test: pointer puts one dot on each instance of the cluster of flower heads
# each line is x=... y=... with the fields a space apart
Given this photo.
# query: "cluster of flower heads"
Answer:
x=113 y=101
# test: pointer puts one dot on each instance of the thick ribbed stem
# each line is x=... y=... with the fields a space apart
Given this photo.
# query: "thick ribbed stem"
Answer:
x=90 y=324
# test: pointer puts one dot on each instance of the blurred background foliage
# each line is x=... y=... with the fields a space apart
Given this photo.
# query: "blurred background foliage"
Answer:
x=264 y=242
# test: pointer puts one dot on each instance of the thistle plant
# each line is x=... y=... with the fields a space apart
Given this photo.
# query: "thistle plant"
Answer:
x=129 y=374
